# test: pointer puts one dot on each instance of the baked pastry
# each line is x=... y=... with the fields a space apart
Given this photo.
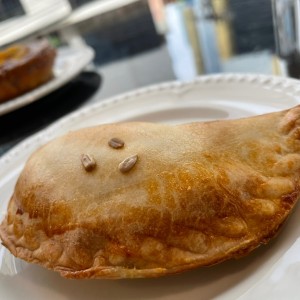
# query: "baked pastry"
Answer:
x=23 y=67
x=145 y=200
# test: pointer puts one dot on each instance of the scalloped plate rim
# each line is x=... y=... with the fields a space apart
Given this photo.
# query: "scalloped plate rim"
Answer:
x=288 y=86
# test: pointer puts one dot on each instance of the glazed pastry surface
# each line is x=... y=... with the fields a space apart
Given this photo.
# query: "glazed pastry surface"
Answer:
x=145 y=200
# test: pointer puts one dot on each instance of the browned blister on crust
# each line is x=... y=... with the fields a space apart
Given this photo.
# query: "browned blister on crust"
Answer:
x=199 y=194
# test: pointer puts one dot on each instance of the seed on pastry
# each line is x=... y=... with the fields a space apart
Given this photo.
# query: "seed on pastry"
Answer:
x=88 y=162
x=127 y=164
x=116 y=143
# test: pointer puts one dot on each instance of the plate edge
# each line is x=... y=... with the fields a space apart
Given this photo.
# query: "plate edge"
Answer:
x=284 y=85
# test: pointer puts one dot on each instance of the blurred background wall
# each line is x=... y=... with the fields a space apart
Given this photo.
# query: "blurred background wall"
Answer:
x=142 y=42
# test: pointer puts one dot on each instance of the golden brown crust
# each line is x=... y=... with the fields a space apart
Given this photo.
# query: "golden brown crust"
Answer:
x=198 y=194
x=24 y=67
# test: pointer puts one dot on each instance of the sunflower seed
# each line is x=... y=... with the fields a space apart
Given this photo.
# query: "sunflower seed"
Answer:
x=128 y=163
x=116 y=143
x=88 y=162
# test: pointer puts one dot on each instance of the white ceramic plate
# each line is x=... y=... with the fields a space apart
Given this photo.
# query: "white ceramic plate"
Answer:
x=69 y=63
x=270 y=272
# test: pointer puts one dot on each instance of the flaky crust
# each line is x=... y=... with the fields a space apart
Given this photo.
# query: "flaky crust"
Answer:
x=23 y=67
x=197 y=195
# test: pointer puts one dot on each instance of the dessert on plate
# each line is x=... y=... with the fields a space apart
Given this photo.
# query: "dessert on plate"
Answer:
x=24 y=67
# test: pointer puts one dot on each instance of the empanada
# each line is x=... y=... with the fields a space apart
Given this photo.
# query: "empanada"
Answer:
x=145 y=200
